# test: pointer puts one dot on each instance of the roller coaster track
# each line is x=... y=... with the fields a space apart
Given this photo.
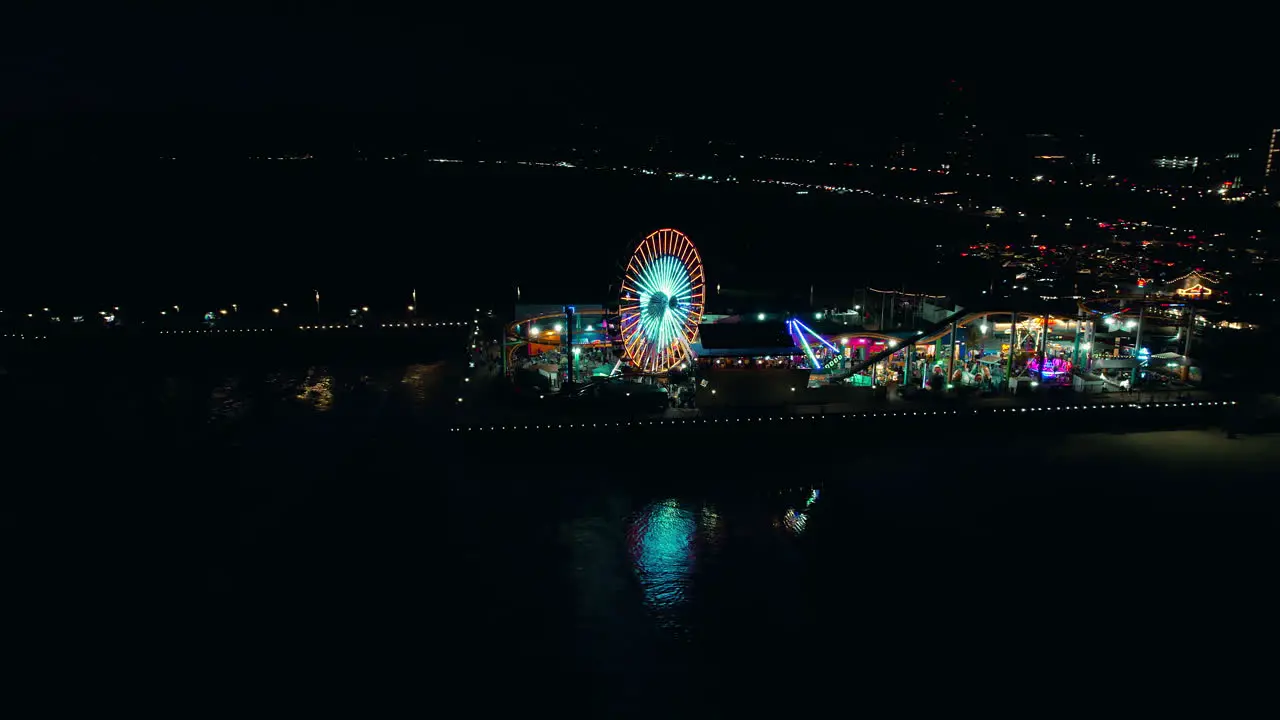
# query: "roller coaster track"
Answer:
x=511 y=326
x=939 y=330
x=964 y=317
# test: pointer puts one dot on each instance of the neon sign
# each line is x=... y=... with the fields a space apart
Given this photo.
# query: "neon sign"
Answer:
x=1196 y=290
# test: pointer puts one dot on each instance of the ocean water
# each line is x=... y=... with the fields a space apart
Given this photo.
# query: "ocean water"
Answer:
x=316 y=521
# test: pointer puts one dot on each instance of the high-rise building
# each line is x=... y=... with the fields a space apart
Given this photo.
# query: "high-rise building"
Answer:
x=958 y=135
x=904 y=151
x=1272 y=171
x=1227 y=170
x=1177 y=163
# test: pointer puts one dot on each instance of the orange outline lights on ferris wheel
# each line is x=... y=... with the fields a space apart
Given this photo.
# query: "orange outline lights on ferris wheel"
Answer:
x=664 y=265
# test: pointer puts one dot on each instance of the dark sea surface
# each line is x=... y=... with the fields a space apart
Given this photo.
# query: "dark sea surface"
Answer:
x=317 y=523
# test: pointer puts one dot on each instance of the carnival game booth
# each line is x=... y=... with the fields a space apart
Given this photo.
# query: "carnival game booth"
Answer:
x=744 y=365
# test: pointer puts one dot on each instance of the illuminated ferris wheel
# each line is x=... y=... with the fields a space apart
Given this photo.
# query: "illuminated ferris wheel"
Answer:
x=663 y=294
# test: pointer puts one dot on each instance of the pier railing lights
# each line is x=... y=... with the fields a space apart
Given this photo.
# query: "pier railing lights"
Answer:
x=874 y=416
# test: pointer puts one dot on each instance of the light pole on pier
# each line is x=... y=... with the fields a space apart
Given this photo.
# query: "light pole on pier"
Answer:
x=1137 y=336
x=568 y=325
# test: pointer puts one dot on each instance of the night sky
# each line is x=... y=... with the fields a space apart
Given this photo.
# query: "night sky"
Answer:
x=741 y=81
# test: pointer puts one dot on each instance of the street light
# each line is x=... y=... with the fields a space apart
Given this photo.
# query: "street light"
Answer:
x=275 y=310
x=410 y=308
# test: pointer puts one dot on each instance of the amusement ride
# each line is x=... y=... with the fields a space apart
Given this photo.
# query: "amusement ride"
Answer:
x=663 y=298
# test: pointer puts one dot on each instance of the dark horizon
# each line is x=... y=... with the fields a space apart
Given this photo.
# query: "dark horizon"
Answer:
x=323 y=76
x=144 y=136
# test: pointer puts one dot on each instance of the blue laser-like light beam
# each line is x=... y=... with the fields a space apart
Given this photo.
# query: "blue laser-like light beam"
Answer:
x=816 y=335
x=808 y=351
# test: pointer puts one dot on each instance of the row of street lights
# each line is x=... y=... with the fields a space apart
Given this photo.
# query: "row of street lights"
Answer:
x=235 y=307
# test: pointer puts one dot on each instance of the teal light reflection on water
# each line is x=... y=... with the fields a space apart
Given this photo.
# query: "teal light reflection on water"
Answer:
x=664 y=539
